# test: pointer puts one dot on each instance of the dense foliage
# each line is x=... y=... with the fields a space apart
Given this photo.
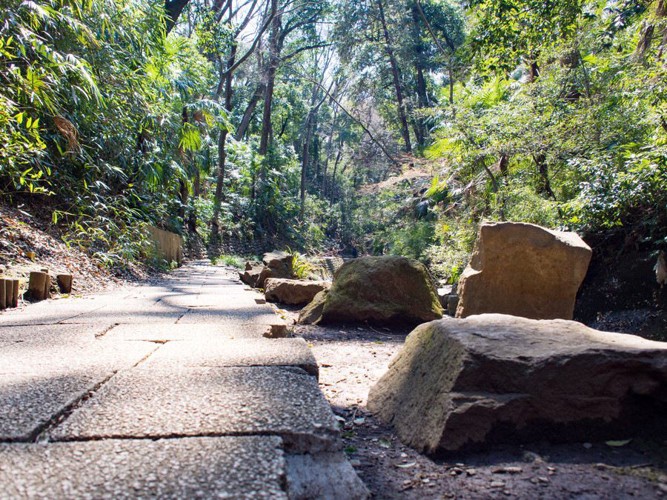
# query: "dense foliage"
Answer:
x=253 y=123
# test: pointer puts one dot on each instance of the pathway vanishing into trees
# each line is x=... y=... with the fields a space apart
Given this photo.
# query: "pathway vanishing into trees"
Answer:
x=168 y=390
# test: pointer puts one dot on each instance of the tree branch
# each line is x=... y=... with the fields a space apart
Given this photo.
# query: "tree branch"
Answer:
x=353 y=118
x=173 y=8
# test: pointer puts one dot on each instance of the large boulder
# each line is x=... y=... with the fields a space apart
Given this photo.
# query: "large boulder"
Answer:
x=379 y=290
x=523 y=270
x=494 y=378
x=293 y=292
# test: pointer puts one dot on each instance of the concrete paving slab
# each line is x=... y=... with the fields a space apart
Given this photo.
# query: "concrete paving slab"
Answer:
x=246 y=352
x=136 y=311
x=208 y=401
x=52 y=311
x=30 y=401
x=53 y=356
x=53 y=333
x=167 y=332
x=205 y=300
x=226 y=467
x=231 y=315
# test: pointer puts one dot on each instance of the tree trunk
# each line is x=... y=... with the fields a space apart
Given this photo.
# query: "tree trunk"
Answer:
x=305 y=148
x=645 y=40
x=333 y=176
x=249 y=111
x=173 y=9
x=534 y=71
x=661 y=12
x=305 y=152
x=543 y=171
x=422 y=95
x=222 y=152
x=272 y=68
x=395 y=72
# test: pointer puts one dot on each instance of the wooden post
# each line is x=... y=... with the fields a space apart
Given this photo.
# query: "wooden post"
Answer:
x=38 y=285
x=47 y=284
x=65 y=283
x=9 y=293
x=3 y=293
x=15 y=292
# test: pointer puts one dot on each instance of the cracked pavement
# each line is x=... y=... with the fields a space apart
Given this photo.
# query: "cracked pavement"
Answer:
x=167 y=390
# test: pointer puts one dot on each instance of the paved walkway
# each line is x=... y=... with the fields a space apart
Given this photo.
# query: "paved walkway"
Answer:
x=166 y=391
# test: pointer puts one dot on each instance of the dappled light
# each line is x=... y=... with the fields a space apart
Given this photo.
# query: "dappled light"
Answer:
x=333 y=249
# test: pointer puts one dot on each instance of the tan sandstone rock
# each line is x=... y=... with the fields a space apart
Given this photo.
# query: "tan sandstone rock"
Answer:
x=274 y=265
x=496 y=378
x=294 y=292
x=380 y=290
x=251 y=273
x=523 y=270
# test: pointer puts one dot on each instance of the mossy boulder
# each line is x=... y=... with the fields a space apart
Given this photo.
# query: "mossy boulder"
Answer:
x=377 y=290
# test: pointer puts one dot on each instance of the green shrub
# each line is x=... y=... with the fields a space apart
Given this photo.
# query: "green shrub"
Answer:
x=230 y=260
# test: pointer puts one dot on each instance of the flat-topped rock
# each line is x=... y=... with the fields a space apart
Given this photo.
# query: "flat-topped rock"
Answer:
x=293 y=292
x=495 y=378
x=246 y=352
x=217 y=467
x=153 y=403
x=523 y=270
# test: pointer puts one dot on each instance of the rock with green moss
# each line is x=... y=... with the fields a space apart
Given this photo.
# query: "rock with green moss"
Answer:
x=377 y=290
x=312 y=313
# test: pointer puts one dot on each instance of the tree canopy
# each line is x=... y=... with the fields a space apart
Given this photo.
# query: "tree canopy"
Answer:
x=245 y=124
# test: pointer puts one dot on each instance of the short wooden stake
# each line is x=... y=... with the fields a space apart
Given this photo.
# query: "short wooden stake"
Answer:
x=3 y=293
x=65 y=283
x=9 y=293
x=15 y=293
x=38 y=285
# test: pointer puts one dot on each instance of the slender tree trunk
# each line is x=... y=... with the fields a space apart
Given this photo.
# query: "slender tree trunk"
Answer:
x=395 y=72
x=305 y=152
x=329 y=152
x=450 y=72
x=272 y=68
x=645 y=40
x=333 y=176
x=305 y=148
x=661 y=13
x=534 y=72
x=422 y=95
x=543 y=171
x=222 y=151
x=249 y=111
